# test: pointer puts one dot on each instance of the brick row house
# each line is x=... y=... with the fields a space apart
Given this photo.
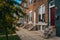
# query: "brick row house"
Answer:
x=40 y=13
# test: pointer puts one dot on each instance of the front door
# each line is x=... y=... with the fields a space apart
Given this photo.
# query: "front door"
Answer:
x=57 y=17
x=52 y=12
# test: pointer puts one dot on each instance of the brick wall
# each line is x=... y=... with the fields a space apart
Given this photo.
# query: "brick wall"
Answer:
x=35 y=6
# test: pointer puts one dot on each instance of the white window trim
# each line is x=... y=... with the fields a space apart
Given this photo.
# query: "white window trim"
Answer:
x=51 y=6
x=49 y=12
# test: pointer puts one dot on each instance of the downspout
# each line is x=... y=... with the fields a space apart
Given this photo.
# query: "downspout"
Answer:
x=48 y=14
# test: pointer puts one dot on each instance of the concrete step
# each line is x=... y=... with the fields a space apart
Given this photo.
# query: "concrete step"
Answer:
x=32 y=35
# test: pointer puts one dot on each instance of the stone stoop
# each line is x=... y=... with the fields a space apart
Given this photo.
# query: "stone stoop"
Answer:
x=54 y=30
x=50 y=31
x=28 y=27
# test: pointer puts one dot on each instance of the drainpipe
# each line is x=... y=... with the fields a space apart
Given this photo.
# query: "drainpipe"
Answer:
x=48 y=15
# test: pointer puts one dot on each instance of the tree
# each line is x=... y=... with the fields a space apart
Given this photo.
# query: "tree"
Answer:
x=7 y=8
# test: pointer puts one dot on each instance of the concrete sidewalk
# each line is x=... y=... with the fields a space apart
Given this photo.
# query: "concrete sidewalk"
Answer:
x=32 y=35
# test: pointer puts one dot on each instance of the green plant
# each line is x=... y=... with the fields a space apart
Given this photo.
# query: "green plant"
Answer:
x=14 y=37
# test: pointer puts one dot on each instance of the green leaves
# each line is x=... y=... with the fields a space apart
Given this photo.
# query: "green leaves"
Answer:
x=7 y=8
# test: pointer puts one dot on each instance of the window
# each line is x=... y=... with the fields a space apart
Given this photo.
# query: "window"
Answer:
x=39 y=17
x=52 y=2
x=30 y=2
x=41 y=12
x=43 y=9
x=43 y=17
x=30 y=16
x=25 y=4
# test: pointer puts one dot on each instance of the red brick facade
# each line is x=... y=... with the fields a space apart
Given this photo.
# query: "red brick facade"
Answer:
x=34 y=7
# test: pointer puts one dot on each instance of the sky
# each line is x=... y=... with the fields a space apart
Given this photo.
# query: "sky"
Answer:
x=19 y=1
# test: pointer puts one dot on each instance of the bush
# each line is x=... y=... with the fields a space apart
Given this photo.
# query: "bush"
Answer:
x=15 y=37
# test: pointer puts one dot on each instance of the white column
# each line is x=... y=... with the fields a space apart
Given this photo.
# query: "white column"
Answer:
x=34 y=18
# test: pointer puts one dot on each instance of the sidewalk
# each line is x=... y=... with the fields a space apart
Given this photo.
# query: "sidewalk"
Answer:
x=32 y=35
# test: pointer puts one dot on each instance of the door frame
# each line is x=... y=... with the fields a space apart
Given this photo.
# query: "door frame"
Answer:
x=49 y=12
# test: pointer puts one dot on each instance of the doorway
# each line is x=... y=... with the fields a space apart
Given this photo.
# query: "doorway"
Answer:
x=51 y=14
x=52 y=17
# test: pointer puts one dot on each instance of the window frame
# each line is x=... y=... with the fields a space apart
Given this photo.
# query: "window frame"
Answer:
x=41 y=11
